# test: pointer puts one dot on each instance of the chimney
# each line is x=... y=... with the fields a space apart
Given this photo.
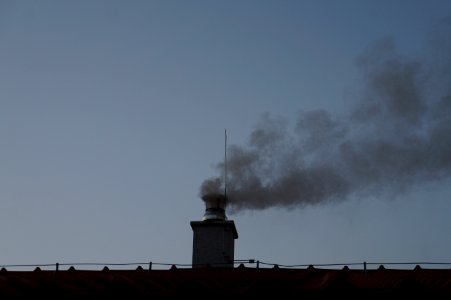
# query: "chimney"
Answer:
x=214 y=236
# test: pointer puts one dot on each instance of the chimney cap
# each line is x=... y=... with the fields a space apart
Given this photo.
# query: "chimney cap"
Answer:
x=215 y=205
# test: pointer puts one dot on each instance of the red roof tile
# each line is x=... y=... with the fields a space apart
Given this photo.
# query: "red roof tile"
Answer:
x=227 y=282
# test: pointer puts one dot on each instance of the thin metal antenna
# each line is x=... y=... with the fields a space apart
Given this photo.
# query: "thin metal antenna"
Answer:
x=225 y=164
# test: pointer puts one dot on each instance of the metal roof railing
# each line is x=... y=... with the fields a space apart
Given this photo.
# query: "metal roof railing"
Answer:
x=150 y=265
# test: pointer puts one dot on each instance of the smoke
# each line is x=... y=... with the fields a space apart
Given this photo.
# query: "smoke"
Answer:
x=397 y=134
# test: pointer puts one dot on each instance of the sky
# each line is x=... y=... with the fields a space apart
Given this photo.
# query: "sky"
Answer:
x=112 y=115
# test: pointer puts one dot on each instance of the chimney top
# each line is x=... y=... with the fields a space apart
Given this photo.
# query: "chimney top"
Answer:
x=215 y=205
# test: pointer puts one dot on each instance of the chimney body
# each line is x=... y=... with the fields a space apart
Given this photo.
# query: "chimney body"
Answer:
x=214 y=236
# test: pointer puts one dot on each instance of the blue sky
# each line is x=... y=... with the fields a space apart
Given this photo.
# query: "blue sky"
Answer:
x=112 y=114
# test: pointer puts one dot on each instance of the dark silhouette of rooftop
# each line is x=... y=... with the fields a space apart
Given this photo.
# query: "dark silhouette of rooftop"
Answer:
x=310 y=282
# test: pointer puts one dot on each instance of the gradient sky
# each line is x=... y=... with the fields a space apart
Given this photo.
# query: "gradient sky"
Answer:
x=112 y=114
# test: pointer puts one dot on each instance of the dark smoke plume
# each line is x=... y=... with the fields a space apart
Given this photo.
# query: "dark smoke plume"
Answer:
x=398 y=134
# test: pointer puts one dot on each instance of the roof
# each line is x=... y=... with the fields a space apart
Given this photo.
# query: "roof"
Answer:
x=227 y=282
